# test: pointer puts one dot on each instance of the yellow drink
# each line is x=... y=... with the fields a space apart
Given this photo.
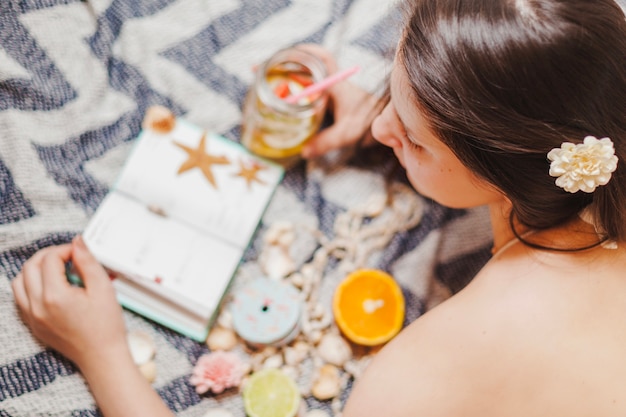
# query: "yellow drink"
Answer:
x=272 y=127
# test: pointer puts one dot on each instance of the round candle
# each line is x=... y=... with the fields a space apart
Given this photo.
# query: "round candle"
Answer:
x=267 y=312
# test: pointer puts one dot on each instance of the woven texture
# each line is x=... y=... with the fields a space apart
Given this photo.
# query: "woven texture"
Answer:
x=75 y=80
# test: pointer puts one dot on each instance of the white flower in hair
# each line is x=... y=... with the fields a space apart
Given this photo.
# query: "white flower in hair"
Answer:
x=583 y=166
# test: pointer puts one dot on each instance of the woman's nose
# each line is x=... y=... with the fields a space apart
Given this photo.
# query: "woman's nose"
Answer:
x=383 y=129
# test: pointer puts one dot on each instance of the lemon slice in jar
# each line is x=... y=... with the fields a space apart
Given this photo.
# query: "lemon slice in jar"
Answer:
x=284 y=132
x=271 y=393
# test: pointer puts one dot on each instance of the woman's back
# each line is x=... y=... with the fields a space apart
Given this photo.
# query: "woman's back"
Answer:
x=535 y=334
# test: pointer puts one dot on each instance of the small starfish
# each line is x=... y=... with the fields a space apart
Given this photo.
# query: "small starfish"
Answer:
x=199 y=158
x=249 y=172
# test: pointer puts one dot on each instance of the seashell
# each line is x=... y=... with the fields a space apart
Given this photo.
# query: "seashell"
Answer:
x=297 y=280
x=316 y=413
x=333 y=349
x=327 y=384
x=246 y=368
x=294 y=355
x=159 y=119
x=356 y=367
x=292 y=371
x=375 y=205
x=322 y=322
x=286 y=239
x=141 y=345
x=336 y=406
x=276 y=262
x=221 y=339
x=274 y=361
x=149 y=371
x=274 y=233
x=305 y=325
x=307 y=271
x=268 y=351
x=317 y=311
x=225 y=319
x=218 y=412
x=315 y=336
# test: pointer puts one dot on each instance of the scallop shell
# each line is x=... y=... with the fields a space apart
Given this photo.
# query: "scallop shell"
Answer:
x=328 y=383
x=334 y=349
x=221 y=339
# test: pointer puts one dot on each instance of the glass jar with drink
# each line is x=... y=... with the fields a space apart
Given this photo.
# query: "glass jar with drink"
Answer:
x=273 y=126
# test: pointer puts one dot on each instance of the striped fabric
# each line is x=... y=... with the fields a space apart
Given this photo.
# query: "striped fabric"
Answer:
x=75 y=80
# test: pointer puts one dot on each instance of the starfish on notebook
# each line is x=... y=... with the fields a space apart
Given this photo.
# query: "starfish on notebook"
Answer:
x=199 y=158
x=249 y=172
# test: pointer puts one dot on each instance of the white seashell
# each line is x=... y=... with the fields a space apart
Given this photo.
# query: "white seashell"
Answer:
x=356 y=367
x=221 y=339
x=246 y=368
x=334 y=349
x=335 y=406
x=294 y=356
x=305 y=325
x=286 y=239
x=322 y=322
x=297 y=280
x=225 y=319
x=149 y=371
x=328 y=383
x=218 y=412
x=375 y=205
x=276 y=262
x=292 y=371
x=316 y=413
x=307 y=271
x=274 y=361
x=268 y=351
x=275 y=231
x=301 y=346
x=315 y=336
x=317 y=311
x=141 y=345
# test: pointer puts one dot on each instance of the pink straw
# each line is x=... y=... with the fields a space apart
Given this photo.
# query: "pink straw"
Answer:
x=322 y=85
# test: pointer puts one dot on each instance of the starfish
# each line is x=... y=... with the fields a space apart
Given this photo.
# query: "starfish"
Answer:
x=249 y=172
x=199 y=158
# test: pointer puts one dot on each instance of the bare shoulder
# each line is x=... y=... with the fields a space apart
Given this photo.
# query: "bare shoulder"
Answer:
x=449 y=362
x=525 y=324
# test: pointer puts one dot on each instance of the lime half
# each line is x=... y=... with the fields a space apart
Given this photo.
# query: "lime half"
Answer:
x=271 y=393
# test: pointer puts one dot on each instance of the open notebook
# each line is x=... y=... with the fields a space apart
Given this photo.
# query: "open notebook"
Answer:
x=174 y=228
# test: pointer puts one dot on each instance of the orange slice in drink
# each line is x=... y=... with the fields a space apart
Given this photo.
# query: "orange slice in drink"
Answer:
x=368 y=306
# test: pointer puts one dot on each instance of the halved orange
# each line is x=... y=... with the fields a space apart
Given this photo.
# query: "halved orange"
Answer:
x=368 y=306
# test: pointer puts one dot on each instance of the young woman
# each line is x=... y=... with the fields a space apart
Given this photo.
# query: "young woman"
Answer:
x=514 y=104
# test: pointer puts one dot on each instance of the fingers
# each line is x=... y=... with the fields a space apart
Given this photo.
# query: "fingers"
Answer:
x=53 y=271
x=90 y=270
x=19 y=293
x=331 y=138
x=322 y=53
x=32 y=274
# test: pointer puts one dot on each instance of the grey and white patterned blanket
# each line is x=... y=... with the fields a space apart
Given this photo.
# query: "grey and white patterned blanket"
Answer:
x=75 y=80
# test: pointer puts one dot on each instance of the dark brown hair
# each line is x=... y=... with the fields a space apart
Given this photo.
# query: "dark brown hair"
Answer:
x=502 y=82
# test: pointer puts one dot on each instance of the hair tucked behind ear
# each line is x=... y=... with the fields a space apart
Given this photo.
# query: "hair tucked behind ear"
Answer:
x=503 y=82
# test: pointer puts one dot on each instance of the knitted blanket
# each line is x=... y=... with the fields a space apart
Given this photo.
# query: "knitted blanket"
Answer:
x=76 y=78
